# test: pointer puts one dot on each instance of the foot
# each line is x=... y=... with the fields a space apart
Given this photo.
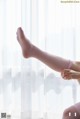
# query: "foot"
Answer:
x=24 y=43
x=70 y=74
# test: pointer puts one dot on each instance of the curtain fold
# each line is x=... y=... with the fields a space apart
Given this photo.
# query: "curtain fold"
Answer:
x=28 y=88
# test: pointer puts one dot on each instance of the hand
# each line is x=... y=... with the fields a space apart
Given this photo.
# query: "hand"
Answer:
x=66 y=74
x=70 y=74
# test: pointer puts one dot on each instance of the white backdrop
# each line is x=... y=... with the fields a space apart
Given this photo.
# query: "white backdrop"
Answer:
x=28 y=88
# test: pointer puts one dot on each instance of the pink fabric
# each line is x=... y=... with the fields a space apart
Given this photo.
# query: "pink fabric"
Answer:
x=70 y=64
x=61 y=63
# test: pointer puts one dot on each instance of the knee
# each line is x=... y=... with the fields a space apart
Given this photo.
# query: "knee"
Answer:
x=66 y=114
x=71 y=113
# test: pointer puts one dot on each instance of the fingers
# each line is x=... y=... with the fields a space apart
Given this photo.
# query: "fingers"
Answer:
x=67 y=77
x=66 y=74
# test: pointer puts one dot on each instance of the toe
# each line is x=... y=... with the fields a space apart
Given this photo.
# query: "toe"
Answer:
x=20 y=33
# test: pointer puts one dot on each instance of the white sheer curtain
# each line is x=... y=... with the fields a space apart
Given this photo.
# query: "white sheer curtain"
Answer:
x=28 y=88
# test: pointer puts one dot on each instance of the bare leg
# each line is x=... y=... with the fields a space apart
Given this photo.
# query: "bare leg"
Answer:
x=54 y=62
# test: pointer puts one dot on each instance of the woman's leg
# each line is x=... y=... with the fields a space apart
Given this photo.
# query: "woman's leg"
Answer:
x=72 y=112
x=54 y=62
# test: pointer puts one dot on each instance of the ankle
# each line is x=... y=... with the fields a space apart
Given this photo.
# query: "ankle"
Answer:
x=33 y=50
x=28 y=52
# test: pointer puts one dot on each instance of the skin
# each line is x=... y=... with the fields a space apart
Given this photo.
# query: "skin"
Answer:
x=71 y=110
x=29 y=50
x=70 y=74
